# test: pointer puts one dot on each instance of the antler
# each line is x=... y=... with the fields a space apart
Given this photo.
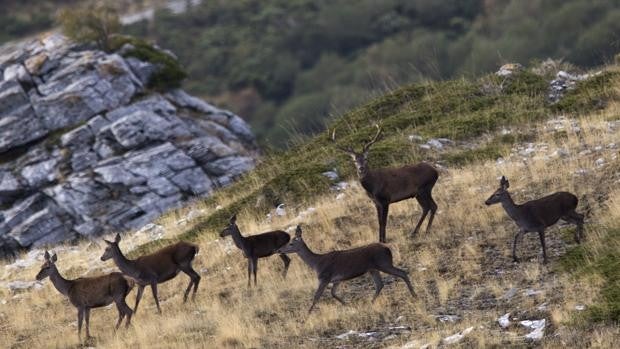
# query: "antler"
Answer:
x=344 y=149
x=373 y=140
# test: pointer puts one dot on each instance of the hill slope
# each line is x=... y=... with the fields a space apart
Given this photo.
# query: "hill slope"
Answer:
x=462 y=271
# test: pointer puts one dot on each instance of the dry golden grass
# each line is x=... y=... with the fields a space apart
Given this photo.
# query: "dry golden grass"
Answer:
x=463 y=267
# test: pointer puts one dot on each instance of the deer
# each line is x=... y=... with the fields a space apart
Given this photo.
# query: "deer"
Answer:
x=537 y=215
x=157 y=267
x=385 y=186
x=257 y=246
x=337 y=266
x=86 y=293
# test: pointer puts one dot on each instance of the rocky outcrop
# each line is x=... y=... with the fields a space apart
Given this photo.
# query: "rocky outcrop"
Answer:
x=86 y=147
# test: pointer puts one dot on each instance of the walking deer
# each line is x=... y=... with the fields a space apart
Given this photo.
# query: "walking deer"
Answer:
x=536 y=215
x=337 y=266
x=389 y=185
x=157 y=267
x=90 y=292
x=258 y=246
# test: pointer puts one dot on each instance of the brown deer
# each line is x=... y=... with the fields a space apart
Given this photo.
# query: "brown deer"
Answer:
x=536 y=215
x=90 y=292
x=157 y=267
x=389 y=185
x=337 y=266
x=257 y=246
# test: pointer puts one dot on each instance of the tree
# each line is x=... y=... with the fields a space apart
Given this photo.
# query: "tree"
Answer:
x=95 y=23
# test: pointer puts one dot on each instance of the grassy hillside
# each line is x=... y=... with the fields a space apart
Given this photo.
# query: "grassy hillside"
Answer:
x=462 y=268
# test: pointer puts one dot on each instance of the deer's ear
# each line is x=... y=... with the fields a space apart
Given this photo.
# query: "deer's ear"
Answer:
x=117 y=238
x=233 y=219
x=504 y=182
x=54 y=258
x=298 y=231
x=46 y=256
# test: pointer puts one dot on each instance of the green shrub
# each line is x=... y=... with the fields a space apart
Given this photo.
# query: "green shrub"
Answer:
x=169 y=73
x=90 y=23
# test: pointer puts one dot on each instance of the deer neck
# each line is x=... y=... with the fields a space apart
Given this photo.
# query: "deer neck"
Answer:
x=238 y=239
x=512 y=209
x=310 y=258
x=127 y=266
x=60 y=283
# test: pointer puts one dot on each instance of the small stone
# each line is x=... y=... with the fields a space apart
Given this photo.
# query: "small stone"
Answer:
x=504 y=320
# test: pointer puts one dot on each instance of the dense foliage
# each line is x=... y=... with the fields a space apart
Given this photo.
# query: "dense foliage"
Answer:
x=286 y=65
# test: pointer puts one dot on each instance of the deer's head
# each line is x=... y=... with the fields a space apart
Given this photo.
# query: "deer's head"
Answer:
x=112 y=248
x=231 y=227
x=500 y=193
x=359 y=158
x=48 y=266
x=296 y=243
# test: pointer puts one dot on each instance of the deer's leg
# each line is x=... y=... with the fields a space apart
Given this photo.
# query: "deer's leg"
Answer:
x=249 y=272
x=138 y=297
x=333 y=292
x=154 y=290
x=382 y=214
x=392 y=270
x=514 y=246
x=80 y=319
x=433 y=208
x=541 y=234
x=123 y=308
x=87 y=318
x=424 y=203
x=194 y=280
x=318 y=293
x=287 y=262
x=577 y=219
x=121 y=315
x=254 y=268
x=376 y=277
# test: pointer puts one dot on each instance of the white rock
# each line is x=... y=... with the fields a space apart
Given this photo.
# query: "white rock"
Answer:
x=29 y=260
x=599 y=162
x=340 y=196
x=346 y=335
x=580 y=307
x=435 y=143
x=332 y=175
x=155 y=231
x=504 y=321
x=19 y=285
x=447 y=318
x=530 y=292
x=280 y=210
x=455 y=338
x=538 y=327
x=417 y=138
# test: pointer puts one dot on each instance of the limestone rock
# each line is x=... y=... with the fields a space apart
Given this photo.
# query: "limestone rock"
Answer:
x=88 y=150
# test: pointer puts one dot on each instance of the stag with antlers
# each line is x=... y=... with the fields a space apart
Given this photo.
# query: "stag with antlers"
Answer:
x=389 y=185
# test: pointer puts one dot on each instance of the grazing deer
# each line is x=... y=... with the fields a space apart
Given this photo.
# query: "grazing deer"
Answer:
x=536 y=215
x=90 y=292
x=389 y=185
x=337 y=266
x=258 y=246
x=157 y=267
